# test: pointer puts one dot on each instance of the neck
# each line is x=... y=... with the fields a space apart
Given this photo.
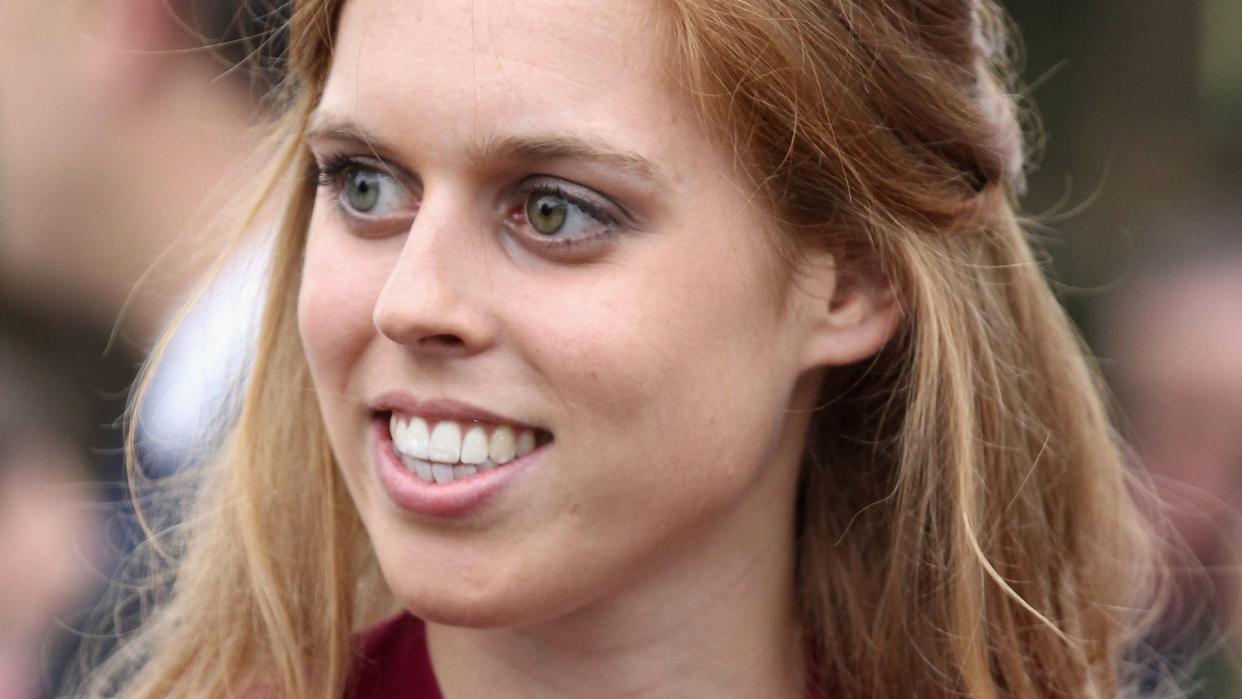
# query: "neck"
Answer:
x=735 y=636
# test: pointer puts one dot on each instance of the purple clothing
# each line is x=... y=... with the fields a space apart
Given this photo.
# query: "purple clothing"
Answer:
x=392 y=662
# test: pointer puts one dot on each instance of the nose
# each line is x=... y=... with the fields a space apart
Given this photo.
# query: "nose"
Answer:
x=430 y=302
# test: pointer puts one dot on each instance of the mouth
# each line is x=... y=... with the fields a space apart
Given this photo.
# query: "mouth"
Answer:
x=442 y=451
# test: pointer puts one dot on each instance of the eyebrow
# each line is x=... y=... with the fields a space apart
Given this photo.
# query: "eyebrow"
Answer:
x=336 y=129
x=526 y=147
x=559 y=147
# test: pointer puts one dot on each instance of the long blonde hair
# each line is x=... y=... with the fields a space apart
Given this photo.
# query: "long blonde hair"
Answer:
x=966 y=525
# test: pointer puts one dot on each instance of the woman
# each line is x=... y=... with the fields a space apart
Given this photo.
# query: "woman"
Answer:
x=672 y=349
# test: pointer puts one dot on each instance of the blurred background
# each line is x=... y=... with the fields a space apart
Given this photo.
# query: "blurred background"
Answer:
x=1137 y=195
x=121 y=144
x=124 y=145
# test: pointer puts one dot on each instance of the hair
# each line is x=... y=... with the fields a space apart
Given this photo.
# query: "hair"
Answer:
x=966 y=525
x=245 y=36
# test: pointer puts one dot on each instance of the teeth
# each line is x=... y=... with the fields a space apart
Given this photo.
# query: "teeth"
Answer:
x=446 y=442
x=442 y=473
x=422 y=468
x=474 y=446
x=397 y=426
x=525 y=442
x=503 y=446
x=411 y=439
x=444 y=454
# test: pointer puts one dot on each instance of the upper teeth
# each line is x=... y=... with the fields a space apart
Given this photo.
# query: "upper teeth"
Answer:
x=453 y=449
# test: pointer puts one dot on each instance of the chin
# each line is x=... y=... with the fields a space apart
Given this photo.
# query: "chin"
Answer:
x=440 y=604
x=452 y=613
x=456 y=593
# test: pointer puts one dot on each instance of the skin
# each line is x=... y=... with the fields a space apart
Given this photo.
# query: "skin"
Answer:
x=650 y=551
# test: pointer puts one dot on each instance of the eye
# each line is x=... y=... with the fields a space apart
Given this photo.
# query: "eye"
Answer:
x=371 y=195
x=557 y=213
x=371 y=192
x=362 y=190
x=547 y=213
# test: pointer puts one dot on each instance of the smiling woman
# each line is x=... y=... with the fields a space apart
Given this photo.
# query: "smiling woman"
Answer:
x=666 y=349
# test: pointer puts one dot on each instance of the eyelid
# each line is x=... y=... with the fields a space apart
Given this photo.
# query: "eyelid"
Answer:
x=332 y=170
x=611 y=219
x=331 y=166
x=590 y=201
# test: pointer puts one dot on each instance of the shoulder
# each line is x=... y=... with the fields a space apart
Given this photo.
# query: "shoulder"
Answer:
x=391 y=661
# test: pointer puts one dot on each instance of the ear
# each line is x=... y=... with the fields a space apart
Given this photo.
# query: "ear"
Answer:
x=847 y=307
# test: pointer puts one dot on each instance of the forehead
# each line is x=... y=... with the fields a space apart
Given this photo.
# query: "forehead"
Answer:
x=441 y=72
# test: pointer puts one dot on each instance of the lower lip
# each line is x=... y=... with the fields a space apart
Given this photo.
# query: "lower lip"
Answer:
x=456 y=499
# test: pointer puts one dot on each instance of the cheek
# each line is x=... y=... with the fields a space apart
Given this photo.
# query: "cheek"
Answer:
x=687 y=342
x=335 y=304
x=672 y=382
x=672 y=396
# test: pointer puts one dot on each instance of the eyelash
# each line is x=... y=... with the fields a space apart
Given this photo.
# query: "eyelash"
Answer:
x=609 y=225
x=331 y=171
x=587 y=207
x=328 y=173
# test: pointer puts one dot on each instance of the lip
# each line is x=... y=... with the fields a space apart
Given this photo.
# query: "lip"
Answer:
x=441 y=500
x=442 y=409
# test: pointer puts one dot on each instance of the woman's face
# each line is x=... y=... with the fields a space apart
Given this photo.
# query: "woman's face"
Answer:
x=522 y=224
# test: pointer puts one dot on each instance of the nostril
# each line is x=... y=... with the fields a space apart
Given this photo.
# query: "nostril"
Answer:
x=442 y=341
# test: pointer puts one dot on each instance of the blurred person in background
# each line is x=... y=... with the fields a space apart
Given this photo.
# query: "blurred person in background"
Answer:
x=48 y=547
x=1140 y=183
x=117 y=131
x=1172 y=339
x=113 y=140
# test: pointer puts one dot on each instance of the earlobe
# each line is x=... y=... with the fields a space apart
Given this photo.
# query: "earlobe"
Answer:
x=849 y=314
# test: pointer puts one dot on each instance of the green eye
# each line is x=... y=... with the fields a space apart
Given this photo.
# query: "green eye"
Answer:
x=547 y=213
x=362 y=190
